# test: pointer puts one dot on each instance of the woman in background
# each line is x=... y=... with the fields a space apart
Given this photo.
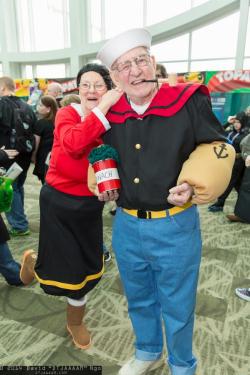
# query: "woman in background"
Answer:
x=44 y=129
x=70 y=98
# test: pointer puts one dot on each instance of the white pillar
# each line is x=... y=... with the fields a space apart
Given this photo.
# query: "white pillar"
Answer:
x=78 y=32
x=242 y=34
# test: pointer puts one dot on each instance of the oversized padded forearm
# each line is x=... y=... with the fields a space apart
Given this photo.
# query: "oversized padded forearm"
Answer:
x=208 y=170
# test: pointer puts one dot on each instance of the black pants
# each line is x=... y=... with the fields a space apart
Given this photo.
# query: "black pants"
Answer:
x=235 y=182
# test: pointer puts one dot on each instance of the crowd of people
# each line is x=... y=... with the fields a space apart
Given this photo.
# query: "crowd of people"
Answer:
x=171 y=149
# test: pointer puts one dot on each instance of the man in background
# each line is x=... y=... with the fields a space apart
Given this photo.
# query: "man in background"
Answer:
x=10 y=107
x=55 y=89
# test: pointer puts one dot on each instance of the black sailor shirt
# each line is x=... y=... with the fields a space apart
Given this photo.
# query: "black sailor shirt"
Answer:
x=152 y=147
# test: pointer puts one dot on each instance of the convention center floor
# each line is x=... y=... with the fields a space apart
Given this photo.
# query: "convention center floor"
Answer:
x=32 y=324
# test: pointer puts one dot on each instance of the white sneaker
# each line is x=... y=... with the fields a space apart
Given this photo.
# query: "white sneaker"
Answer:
x=136 y=367
x=243 y=293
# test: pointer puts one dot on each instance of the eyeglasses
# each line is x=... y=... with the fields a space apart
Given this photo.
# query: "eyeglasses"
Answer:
x=140 y=61
x=85 y=86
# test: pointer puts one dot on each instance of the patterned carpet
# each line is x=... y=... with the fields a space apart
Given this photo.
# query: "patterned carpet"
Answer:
x=32 y=324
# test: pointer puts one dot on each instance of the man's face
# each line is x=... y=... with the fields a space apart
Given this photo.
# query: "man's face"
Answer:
x=54 y=91
x=129 y=71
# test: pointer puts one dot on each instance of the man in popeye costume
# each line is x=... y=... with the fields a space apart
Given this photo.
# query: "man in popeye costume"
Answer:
x=173 y=155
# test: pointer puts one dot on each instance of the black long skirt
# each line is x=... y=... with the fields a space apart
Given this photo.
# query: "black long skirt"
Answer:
x=70 y=255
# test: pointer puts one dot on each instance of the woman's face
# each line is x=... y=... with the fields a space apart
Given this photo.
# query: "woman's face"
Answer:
x=42 y=109
x=237 y=125
x=91 y=89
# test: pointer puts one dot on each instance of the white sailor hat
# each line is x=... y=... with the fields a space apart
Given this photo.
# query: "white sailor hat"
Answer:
x=122 y=43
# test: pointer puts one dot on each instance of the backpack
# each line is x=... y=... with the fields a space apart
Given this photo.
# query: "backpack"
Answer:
x=21 y=138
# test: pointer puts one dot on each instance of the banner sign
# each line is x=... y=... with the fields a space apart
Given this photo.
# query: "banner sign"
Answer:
x=196 y=77
x=25 y=87
x=229 y=89
x=228 y=81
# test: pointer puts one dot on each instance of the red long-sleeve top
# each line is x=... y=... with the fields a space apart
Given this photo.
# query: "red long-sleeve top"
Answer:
x=74 y=138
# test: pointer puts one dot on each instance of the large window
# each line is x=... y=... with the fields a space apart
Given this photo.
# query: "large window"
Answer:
x=44 y=71
x=247 y=49
x=160 y=10
x=95 y=20
x=51 y=71
x=176 y=66
x=173 y=49
x=109 y=17
x=120 y=16
x=212 y=47
x=218 y=39
x=42 y=24
x=212 y=65
x=173 y=53
x=246 y=64
x=210 y=42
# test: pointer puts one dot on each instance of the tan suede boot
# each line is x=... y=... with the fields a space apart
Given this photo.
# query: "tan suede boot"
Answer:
x=27 y=273
x=76 y=327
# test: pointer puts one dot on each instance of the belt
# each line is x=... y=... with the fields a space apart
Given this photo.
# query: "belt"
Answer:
x=142 y=214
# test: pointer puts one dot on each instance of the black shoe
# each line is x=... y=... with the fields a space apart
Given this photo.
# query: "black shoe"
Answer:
x=215 y=208
x=16 y=232
x=107 y=257
x=113 y=212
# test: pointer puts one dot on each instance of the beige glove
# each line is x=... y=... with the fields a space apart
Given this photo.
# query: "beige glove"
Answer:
x=208 y=170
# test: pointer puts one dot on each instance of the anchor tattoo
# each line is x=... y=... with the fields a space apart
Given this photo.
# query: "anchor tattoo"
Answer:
x=221 y=154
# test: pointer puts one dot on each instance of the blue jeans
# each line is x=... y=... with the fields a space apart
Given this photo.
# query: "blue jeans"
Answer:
x=159 y=263
x=16 y=216
x=9 y=268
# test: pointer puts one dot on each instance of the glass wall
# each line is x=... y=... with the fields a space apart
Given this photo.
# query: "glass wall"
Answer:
x=115 y=13
x=51 y=71
x=160 y=10
x=173 y=53
x=44 y=70
x=217 y=40
x=109 y=17
x=95 y=20
x=31 y=26
x=211 y=47
x=246 y=63
x=247 y=48
x=42 y=24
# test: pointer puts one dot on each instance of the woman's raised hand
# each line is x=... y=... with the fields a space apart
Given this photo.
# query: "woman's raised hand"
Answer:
x=109 y=99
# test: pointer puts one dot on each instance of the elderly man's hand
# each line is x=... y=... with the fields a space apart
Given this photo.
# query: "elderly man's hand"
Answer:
x=106 y=196
x=181 y=194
